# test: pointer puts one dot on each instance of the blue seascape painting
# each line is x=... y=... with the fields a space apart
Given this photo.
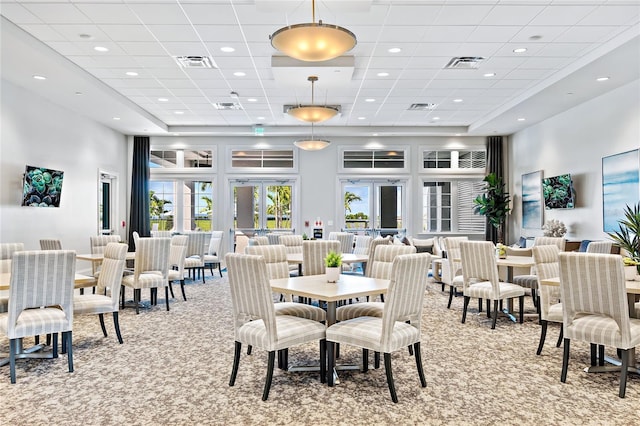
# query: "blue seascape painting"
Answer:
x=620 y=186
x=532 y=200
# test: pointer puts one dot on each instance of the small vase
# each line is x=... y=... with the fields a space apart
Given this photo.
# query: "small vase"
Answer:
x=333 y=274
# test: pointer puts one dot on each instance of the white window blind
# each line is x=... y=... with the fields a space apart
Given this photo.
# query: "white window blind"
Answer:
x=468 y=221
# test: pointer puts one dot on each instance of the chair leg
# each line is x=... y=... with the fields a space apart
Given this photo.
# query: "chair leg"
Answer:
x=543 y=335
x=560 y=337
x=122 y=295
x=376 y=360
x=365 y=360
x=36 y=340
x=416 y=350
x=565 y=361
x=236 y=363
x=464 y=309
x=104 y=329
x=184 y=296
x=387 y=369
x=600 y=355
x=624 y=371
x=488 y=308
x=116 y=325
x=67 y=337
x=594 y=357
x=267 y=381
x=535 y=299
x=54 y=345
x=494 y=314
x=136 y=299
x=166 y=296
x=323 y=360
x=451 y=291
x=202 y=270
x=249 y=347
x=479 y=305
x=220 y=269
x=171 y=290
x=13 y=348
x=331 y=362
x=521 y=307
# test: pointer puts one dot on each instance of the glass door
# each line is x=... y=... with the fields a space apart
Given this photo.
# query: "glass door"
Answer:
x=261 y=206
x=374 y=207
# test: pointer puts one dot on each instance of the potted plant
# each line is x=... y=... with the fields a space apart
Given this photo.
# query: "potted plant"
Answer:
x=494 y=204
x=333 y=264
x=628 y=236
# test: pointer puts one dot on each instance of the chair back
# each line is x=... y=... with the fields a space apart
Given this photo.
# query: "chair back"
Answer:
x=110 y=278
x=594 y=284
x=405 y=296
x=313 y=254
x=292 y=243
x=600 y=247
x=373 y=245
x=50 y=245
x=259 y=241
x=362 y=244
x=545 y=241
x=452 y=245
x=479 y=265
x=547 y=259
x=178 y=252
x=346 y=240
x=452 y=265
x=6 y=253
x=161 y=234
x=242 y=241
x=381 y=264
x=152 y=256
x=99 y=242
x=272 y=237
x=275 y=257
x=437 y=246
x=251 y=296
x=196 y=246
x=422 y=245
x=136 y=238
x=215 y=243
x=41 y=278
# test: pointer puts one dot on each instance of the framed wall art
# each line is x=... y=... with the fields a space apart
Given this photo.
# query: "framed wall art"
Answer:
x=532 y=200
x=620 y=186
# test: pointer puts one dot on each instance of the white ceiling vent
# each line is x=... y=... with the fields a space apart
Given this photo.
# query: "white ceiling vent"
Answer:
x=465 y=62
x=422 y=107
x=227 y=106
x=194 y=62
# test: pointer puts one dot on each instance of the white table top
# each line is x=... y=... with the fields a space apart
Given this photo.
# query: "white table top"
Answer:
x=633 y=287
x=347 y=258
x=317 y=287
x=99 y=257
x=81 y=281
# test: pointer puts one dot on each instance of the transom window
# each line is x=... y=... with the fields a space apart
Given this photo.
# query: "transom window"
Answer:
x=262 y=159
x=181 y=158
x=452 y=159
x=369 y=159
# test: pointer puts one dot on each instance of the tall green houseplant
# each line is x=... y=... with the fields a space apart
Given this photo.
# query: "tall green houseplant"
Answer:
x=494 y=203
x=628 y=234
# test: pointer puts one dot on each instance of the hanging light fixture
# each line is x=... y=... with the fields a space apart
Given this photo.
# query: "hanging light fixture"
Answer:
x=312 y=144
x=312 y=113
x=313 y=41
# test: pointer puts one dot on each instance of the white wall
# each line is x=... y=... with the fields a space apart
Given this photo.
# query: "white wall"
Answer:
x=36 y=132
x=575 y=142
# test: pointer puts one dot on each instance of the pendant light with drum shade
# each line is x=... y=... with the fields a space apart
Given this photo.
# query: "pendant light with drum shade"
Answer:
x=312 y=113
x=312 y=144
x=312 y=42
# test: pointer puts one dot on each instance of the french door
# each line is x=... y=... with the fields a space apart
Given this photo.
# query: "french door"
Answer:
x=262 y=206
x=375 y=206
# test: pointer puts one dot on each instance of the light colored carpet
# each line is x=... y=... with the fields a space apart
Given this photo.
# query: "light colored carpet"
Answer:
x=174 y=368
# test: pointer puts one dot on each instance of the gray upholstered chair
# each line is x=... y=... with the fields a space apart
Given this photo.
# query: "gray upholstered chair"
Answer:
x=177 y=257
x=599 y=247
x=6 y=253
x=595 y=307
x=98 y=243
x=151 y=269
x=255 y=321
x=390 y=332
x=213 y=256
x=40 y=301
x=196 y=247
x=451 y=272
x=106 y=298
x=481 y=280
x=50 y=244
x=548 y=266
x=313 y=254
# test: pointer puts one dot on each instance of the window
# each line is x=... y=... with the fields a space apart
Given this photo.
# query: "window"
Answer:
x=162 y=197
x=367 y=159
x=180 y=158
x=198 y=203
x=472 y=159
x=437 y=159
x=262 y=159
x=448 y=206
x=469 y=160
x=374 y=206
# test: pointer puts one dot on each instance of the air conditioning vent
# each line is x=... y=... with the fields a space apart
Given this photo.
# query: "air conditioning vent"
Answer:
x=194 y=62
x=422 y=107
x=465 y=62
x=227 y=106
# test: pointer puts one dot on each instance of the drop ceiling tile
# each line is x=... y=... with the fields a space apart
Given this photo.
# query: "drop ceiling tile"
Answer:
x=220 y=33
x=177 y=83
x=167 y=72
x=477 y=49
x=613 y=15
x=469 y=14
x=511 y=14
x=562 y=14
x=564 y=49
x=494 y=33
x=173 y=33
x=408 y=14
x=67 y=48
x=401 y=33
x=115 y=61
x=156 y=62
x=137 y=48
x=587 y=34
x=57 y=13
x=101 y=13
x=157 y=13
x=448 y=34
x=211 y=14
x=545 y=63
x=127 y=33
x=44 y=32
x=19 y=15
x=547 y=33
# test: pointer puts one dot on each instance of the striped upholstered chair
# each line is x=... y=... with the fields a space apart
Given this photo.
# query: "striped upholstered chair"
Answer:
x=452 y=267
x=313 y=254
x=595 y=306
x=106 y=298
x=599 y=247
x=50 y=244
x=151 y=269
x=255 y=321
x=481 y=280
x=40 y=301
x=6 y=253
x=98 y=243
x=196 y=248
x=548 y=266
x=177 y=256
x=391 y=332
x=213 y=256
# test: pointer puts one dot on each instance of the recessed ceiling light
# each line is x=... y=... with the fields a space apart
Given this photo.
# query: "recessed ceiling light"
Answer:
x=85 y=36
x=535 y=37
x=260 y=118
x=521 y=119
x=239 y=74
x=163 y=100
x=436 y=118
x=602 y=78
x=131 y=73
x=227 y=49
x=179 y=112
x=116 y=118
x=490 y=74
x=375 y=134
x=457 y=100
x=383 y=74
x=39 y=77
x=362 y=118
x=458 y=134
x=79 y=93
x=100 y=49
x=252 y=100
x=395 y=50
x=369 y=100
x=520 y=50
x=176 y=134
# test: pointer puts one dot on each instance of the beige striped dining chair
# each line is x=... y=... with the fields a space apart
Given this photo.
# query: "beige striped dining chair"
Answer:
x=6 y=253
x=98 y=243
x=177 y=256
x=390 y=332
x=481 y=279
x=213 y=255
x=451 y=269
x=595 y=308
x=548 y=266
x=106 y=298
x=50 y=244
x=373 y=245
x=150 y=270
x=40 y=302
x=313 y=254
x=196 y=248
x=599 y=247
x=255 y=321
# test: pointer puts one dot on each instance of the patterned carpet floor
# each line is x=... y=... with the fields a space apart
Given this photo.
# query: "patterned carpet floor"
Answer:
x=174 y=367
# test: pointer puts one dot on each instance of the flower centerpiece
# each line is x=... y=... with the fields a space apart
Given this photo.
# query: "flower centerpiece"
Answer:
x=554 y=228
x=628 y=236
x=333 y=264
